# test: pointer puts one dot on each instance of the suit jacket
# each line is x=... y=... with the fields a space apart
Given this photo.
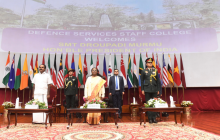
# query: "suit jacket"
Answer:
x=150 y=81
x=112 y=84
x=70 y=86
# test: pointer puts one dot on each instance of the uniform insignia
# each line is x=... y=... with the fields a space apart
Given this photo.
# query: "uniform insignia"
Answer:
x=66 y=78
x=73 y=79
x=146 y=71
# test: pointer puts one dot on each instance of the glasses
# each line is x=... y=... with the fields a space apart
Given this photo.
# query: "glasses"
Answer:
x=94 y=70
x=41 y=67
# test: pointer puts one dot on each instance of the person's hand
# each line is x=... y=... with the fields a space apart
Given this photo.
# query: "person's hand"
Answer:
x=158 y=93
x=110 y=93
x=76 y=95
x=123 y=93
x=143 y=92
x=48 y=96
x=32 y=96
x=64 y=95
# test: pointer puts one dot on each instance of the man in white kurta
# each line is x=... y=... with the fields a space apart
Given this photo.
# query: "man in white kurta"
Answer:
x=41 y=87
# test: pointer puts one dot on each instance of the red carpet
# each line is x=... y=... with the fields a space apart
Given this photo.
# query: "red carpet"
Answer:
x=107 y=131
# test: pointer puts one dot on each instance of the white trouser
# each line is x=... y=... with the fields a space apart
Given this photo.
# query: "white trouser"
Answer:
x=40 y=117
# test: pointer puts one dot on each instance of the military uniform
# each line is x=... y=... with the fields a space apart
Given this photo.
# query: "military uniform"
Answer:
x=150 y=84
x=70 y=90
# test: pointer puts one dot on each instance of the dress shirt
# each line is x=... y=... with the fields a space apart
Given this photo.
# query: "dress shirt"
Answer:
x=118 y=83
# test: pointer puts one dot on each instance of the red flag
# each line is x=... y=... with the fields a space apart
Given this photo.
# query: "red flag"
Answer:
x=182 y=72
x=43 y=61
x=54 y=75
x=122 y=71
x=146 y=55
x=66 y=67
x=85 y=70
x=97 y=63
x=176 y=72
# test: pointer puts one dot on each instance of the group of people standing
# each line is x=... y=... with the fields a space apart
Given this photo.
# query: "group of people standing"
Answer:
x=94 y=89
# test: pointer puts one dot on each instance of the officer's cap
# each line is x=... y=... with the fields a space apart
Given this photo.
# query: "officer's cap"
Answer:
x=71 y=70
x=149 y=60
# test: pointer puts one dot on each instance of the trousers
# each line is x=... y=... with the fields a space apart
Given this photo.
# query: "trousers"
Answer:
x=117 y=99
x=148 y=96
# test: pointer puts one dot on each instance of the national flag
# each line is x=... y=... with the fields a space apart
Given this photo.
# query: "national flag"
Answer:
x=91 y=65
x=66 y=67
x=141 y=67
x=182 y=73
x=159 y=69
x=40 y=1
x=36 y=65
x=115 y=62
x=80 y=78
x=122 y=71
x=176 y=72
x=54 y=75
x=43 y=60
x=105 y=71
x=60 y=81
x=11 y=81
x=18 y=75
x=30 y=77
x=110 y=73
x=24 y=75
x=146 y=58
x=135 y=75
x=165 y=77
x=129 y=74
x=169 y=70
x=73 y=65
x=97 y=63
x=153 y=63
x=6 y=71
x=49 y=69
x=85 y=70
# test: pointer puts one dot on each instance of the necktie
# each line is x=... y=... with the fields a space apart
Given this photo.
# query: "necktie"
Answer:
x=116 y=82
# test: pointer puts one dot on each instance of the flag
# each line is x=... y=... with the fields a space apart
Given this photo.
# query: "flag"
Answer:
x=141 y=67
x=109 y=68
x=54 y=75
x=85 y=70
x=146 y=58
x=182 y=73
x=30 y=77
x=176 y=74
x=97 y=63
x=18 y=75
x=91 y=65
x=165 y=77
x=122 y=71
x=36 y=65
x=115 y=62
x=49 y=69
x=24 y=76
x=80 y=78
x=169 y=70
x=135 y=76
x=11 y=81
x=129 y=74
x=105 y=71
x=43 y=60
x=6 y=71
x=60 y=81
x=66 y=67
x=73 y=66
x=159 y=70
x=40 y=1
x=153 y=63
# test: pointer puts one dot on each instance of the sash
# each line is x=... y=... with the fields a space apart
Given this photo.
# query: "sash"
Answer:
x=97 y=88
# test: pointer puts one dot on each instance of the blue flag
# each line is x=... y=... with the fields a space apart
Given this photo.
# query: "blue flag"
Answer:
x=105 y=71
x=11 y=81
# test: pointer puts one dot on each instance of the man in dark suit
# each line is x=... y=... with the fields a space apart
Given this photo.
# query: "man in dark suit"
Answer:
x=116 y=89
x=150 y=86
x=70 y=89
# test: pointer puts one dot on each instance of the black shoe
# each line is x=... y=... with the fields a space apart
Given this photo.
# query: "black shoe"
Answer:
x=119 y=116
x=150 y=121
x=154 y=121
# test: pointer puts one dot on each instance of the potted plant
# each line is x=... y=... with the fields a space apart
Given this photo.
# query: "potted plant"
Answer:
x=187 y=106
x=95 y=101
x=35 y=102
x=7 y=105
x=153 y=102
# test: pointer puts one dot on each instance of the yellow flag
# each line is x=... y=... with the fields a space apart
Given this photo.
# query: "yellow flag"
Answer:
x=24 y=75
x=169 y=70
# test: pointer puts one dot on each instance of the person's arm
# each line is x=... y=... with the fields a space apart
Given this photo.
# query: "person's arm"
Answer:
x=33 y=88
x=76 y=87
x=142 y=82
x=158 y=84
x=102 y=92
x=123 y=89
x=109 y=86
x=86 y=88
x=48 y=91
x=49 y=82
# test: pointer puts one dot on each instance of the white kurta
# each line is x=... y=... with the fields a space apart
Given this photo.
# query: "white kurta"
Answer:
x=41 y=81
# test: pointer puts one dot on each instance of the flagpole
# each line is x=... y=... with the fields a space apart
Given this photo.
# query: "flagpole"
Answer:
x=171 y=91
x=183 y=93
x=165 y=93
x=177 y=95
x=79 y=96
x=23 y=11
x=29 y=94
x=23 y=96
x=60 y=95
x=11 y=95
x=5 y=92
x=17 y=92
x=128 y=96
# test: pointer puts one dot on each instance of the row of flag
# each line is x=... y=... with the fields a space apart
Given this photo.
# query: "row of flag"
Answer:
x=23 y=77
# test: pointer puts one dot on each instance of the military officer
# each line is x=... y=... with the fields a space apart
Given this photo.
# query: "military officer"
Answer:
x=71 y=89
x=150 y=86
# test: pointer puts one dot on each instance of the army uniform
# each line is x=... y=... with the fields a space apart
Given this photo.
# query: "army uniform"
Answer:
x=150 y=84
x=70 y=90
